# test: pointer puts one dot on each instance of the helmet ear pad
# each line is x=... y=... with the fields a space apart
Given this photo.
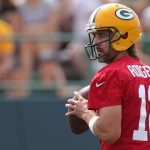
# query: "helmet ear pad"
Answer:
x=127 y=41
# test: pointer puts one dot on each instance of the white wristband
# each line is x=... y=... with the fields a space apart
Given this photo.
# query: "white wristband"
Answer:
x=91 y=123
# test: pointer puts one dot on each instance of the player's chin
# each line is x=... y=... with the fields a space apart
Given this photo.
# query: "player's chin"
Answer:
x=104 y=59
x=101 y=60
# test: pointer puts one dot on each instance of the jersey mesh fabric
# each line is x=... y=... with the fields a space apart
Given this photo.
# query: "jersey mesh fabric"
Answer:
x=115 y=85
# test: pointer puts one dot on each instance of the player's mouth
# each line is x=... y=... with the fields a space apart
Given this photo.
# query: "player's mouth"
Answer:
x=99 y=51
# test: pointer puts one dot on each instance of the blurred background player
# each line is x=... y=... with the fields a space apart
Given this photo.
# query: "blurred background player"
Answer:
x=71 y=12
x=144 y=43
x=9 y=13
x=38 y=56
x=7 y=48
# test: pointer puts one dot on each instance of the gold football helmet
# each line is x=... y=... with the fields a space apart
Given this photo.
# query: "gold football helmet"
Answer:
x=122 y=21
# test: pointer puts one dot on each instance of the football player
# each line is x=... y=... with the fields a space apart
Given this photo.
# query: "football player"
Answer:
x=118 y=107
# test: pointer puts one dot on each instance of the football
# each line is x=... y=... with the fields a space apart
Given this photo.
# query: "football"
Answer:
x=76 y=124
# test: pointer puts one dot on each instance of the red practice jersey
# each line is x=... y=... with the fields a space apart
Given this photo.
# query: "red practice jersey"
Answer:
x=125 y=82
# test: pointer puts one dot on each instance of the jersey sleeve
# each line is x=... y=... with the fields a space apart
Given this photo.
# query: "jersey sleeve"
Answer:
x=105 y=90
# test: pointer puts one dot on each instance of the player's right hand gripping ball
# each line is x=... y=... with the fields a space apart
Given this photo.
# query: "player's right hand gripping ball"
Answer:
x=76 y=124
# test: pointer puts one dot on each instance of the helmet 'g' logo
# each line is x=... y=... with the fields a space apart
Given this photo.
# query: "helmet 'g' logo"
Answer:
x=124 y=14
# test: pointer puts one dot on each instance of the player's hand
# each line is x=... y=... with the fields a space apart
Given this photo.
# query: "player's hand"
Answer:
x=78 y=107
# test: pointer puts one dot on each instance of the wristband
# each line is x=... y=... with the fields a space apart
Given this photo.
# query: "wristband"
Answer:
x=91 y=123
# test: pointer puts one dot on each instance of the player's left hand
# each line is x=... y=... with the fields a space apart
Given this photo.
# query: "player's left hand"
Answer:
x=79 y=106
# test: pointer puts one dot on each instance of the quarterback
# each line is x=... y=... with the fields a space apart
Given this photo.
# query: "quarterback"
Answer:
x=117 y=109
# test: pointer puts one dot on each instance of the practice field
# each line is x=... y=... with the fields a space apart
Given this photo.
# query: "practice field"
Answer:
x=39 y=123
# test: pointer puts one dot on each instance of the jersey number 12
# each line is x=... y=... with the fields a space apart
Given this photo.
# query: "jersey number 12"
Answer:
x=141 y=134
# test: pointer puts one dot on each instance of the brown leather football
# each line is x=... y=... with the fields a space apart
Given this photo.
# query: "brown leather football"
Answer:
x=76 y=124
